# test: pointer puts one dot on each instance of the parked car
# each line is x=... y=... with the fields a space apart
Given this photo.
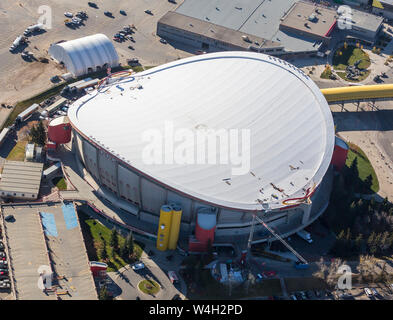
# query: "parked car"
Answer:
x=92 y=4
x=368 y=292
x=163 y=41
x=108 y=14
x=68 y=14
x=293 y=297
x=149 y=12
x=123 y=12
x=375 y=292
x=5 y=285
x=298 y=296
x=138 y=266
x=9 y=218
x=200 y=52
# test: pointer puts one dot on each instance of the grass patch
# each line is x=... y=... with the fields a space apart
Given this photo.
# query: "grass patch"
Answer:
x=349 y=56
x=363 y=76
x=18 y=152
x=364 y=166
x=149 y=287
x=304 y=284
x=60 y=183
x=96 y=234
x=326 y=74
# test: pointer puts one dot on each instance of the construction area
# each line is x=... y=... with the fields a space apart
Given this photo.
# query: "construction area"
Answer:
x=47 y=237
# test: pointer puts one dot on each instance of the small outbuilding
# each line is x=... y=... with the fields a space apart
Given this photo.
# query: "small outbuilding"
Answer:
x=87 y=54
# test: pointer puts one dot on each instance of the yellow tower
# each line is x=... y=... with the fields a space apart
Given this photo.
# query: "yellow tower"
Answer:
x=164 y=227
x=175 y=227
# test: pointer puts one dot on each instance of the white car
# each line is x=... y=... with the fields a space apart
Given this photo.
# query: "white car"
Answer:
x=138 y=266
x=68 y=14
x=368 y=292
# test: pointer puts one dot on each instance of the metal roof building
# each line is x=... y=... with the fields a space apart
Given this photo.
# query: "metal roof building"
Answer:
x=87 y=54
x=21 y=179
x=259 y=18
x=290 y=122
x=120 y=128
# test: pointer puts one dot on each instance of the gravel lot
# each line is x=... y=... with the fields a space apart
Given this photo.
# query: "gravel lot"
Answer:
x=20 y=79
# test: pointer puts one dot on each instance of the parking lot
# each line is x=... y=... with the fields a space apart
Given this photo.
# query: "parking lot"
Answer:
x=21 y=79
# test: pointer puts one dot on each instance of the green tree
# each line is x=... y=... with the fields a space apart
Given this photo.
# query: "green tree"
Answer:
x=353 y=175
x=103 y=253
x=38 y=134
x=368 y=182
x=114 y=241
x=104 y=294
x=124 y=252
x=359 y=242
x=130 y=244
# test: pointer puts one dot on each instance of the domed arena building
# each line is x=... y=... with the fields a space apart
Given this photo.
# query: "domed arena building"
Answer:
x=139 y=137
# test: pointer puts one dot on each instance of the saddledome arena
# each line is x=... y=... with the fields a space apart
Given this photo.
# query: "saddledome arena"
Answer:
x=291 y=143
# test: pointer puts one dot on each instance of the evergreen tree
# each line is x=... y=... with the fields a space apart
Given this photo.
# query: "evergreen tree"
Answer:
x=353 y=175
x=103 y=252
x=123 y=252
x=38 y=134
x=359 y=242
x=130 y=244
x=114 y=241
x=104 y=294
x=368 y=182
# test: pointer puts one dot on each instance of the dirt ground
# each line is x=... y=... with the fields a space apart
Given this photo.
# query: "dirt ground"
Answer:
x=20 y=79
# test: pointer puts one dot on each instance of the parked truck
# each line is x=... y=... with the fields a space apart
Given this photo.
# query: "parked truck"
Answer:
x=305 y=235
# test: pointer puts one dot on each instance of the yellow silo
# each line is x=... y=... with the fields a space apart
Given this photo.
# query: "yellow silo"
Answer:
x=164 y=227
x=175 y=227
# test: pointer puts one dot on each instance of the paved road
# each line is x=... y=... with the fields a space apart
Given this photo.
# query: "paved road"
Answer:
x=126 y=281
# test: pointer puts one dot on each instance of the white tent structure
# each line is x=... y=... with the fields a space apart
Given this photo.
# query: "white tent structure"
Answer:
x=87 y=54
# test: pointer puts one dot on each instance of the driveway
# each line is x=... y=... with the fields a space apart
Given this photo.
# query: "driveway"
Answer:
x=125 y=281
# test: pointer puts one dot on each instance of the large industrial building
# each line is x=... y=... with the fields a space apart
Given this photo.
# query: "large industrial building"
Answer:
x=284 y=28
x=288 y=172
x=288 y=26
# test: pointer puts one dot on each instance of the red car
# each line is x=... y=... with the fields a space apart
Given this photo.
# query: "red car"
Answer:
x=271 y=273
